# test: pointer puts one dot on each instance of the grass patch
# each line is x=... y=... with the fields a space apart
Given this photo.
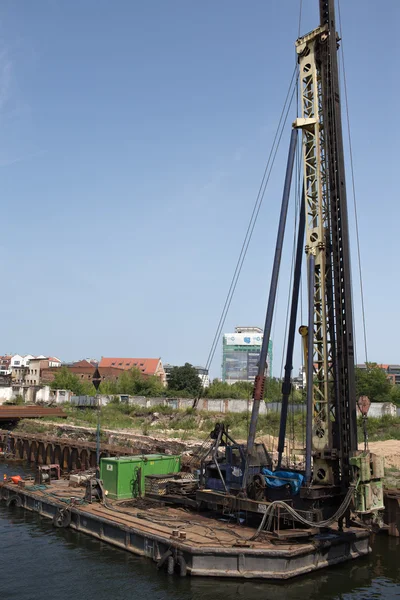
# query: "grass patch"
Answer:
x=385 y=428
x=117 y=415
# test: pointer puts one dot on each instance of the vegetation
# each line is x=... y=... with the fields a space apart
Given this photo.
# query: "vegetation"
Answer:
x=18 y=400
x=184 y=381
x=197 y=424
x=373 y=382
x=65 y=380
x=385 y=428
x=134 y=383
x=244 y=390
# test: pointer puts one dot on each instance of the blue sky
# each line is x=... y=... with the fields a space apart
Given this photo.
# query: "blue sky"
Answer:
x=133 y=138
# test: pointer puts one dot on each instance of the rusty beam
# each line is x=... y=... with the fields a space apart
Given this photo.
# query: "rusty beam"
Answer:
x=14 y=413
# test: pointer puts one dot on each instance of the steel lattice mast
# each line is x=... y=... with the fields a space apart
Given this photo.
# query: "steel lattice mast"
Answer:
x=331 y=402
x=331 y=435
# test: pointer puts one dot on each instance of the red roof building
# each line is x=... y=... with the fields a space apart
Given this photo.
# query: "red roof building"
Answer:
x=147 y=366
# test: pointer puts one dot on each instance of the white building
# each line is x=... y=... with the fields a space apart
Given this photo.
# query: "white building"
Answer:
x=19 y=367
x=26 y=369
x=202 y=372
x=20 y=361
x=299 y=382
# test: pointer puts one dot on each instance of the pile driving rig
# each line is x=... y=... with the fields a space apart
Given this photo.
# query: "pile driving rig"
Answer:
x=337 y=478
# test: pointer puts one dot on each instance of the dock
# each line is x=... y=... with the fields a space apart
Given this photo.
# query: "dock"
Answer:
x=187 y=542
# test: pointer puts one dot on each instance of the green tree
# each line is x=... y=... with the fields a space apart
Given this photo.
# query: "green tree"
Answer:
x=395 y=394
x=222 y=389
x=65 y=380
x=133 y=383
x=273 y=390
x=184 y=380
x=373 y=382
x=109 y=386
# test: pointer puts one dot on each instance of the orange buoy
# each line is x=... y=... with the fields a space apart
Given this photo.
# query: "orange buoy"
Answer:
x=16 y=478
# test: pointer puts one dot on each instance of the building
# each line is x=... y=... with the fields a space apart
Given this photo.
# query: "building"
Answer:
x=35 y=368
x=204 y=376
x=19 y=366
x=147 y=366
x=202 y=372
x=392 y=371
x=54 y=361
x=241 y=352
x=5 y=368
x=82 y=369
x=299 y=382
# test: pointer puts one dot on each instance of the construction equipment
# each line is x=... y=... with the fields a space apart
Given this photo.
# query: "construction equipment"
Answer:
x=124 y=476
x=335 y=473
x=48 y=473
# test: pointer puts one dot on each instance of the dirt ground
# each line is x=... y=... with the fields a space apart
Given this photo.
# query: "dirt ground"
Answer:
x=389 y=449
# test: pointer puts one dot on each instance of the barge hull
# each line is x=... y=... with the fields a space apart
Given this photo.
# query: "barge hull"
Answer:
x=252 y=561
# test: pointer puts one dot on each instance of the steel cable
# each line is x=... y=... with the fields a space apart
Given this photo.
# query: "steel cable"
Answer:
x=253 y=219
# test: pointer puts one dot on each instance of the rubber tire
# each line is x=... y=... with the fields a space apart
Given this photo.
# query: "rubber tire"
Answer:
x=182 y=566
x=62 y=518
x=14 y=500
x=171 y=565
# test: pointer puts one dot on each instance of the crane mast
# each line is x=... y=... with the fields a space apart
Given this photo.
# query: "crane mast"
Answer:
x=335 y=471
x=331 y=402
x=331 y=433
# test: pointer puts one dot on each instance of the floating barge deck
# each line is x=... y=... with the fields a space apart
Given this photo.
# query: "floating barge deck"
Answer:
x=198 y=544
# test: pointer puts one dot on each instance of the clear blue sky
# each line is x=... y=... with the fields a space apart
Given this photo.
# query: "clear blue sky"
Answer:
x=133 y=137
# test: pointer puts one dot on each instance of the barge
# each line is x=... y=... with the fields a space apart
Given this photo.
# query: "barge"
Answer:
x=187 y=543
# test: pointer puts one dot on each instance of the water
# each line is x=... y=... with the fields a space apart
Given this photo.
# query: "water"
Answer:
x=40 y=562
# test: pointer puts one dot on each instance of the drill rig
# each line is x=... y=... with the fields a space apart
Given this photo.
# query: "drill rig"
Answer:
x=334 y=469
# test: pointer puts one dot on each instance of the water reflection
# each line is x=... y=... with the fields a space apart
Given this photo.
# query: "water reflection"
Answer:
x=44 y=562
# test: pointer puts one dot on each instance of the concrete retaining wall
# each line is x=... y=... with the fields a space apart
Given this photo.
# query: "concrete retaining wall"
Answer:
x=377 y=409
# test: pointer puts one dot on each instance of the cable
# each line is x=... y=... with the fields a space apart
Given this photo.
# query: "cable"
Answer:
x=270 y=514
x=354 y=190
x=253 y=219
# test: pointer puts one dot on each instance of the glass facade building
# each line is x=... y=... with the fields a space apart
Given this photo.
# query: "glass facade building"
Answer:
x=241 y=352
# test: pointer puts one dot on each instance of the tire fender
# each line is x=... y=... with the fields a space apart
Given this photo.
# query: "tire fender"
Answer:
x=62 y=518
x=182 y=566
x=171 y=565
x=14 y=500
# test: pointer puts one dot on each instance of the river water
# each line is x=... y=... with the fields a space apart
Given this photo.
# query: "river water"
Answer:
x=40 y=562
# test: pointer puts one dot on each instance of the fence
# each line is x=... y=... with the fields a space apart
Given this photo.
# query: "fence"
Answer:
x=226 y=405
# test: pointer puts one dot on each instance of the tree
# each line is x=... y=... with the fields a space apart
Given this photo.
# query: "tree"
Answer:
x=185 y=379
x=395 y=394
x=65 y=380
x=273 y=390
x=133 y=383
x=222 y=389
x=373 y=382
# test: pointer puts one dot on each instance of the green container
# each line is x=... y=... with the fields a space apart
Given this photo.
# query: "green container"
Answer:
x=123 y=476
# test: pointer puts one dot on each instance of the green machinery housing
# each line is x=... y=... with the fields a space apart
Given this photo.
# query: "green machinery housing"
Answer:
x=124 y=476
